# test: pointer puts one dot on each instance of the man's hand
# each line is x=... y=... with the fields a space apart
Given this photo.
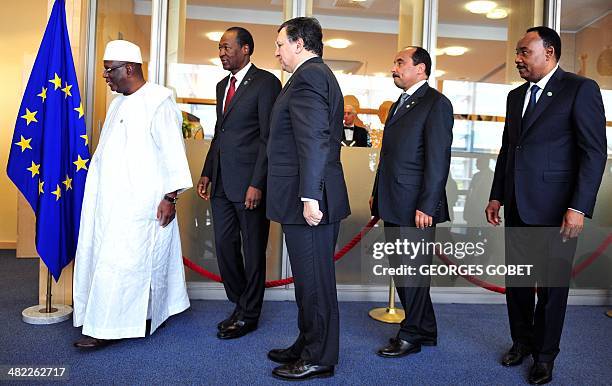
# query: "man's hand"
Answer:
x=572 y=225
x=165 y=212
x=312 y=214
x=252 y=198
x=492 y=212
x=370 y=202
x=422 y=220
x=203 y=187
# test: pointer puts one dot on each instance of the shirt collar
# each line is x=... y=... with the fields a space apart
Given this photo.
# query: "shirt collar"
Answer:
x=412 y=89
x=542 y=82
x=302 y=62
x=241 y=74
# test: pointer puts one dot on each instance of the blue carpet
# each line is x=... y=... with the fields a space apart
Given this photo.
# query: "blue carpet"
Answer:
x=471 y=340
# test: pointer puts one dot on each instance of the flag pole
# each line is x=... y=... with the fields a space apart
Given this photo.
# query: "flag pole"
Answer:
x=50 y=313
x=48 y=308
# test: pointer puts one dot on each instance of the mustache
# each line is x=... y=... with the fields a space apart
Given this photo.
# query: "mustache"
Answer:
x=395 y=75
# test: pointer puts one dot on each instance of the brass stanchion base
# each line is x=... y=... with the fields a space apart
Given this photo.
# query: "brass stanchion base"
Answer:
x=609 y=313
x=387 y=315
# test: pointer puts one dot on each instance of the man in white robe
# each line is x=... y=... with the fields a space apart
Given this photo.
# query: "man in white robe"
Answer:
x=128 y=265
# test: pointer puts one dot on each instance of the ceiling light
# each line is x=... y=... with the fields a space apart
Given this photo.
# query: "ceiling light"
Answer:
x=380 y=74
x=338 y=43
x=440 y=51
x=216 y=61
x=497 y=13
x=455 y=50
x=439 y=73
x=480 y=6
x=215 y=36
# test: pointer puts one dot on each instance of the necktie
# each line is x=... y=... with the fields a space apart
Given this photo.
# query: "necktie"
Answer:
x=230 y=93
x=532 y=103
x=400 y=101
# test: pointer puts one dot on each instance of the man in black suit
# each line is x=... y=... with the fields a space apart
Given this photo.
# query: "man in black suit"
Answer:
x=409 y=189
x=353 y=136
x=548 y=173
x=237 y=165
x=307 y=194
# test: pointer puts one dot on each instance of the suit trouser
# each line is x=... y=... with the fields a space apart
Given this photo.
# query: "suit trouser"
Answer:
x=419 y=325
x=537 y=327
x=311 y=251
x=237 y=229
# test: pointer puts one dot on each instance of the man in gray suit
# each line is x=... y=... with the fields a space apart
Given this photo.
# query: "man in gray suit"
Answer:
x=409 y=189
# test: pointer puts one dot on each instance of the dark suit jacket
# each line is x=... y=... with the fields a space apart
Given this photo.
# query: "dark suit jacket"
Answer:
x=360 y=136
x=304 y=147
x=415 y=159
x=557 y=160
x=241 y=134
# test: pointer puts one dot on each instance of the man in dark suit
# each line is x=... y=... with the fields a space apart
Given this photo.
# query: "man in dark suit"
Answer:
x=353 y=136
x=307 y=194
x=548 y=173
x=237 y=164
x=409 y=189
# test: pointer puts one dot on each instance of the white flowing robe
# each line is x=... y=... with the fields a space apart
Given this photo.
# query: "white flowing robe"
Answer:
x=127 y=267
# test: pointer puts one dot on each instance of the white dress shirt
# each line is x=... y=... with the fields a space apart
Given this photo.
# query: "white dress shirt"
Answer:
x=239 y=76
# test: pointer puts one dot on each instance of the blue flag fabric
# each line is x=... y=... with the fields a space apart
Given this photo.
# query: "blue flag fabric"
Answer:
x=49 y=152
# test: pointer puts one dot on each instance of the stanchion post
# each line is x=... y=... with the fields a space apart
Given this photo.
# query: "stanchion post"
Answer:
x=388 y=314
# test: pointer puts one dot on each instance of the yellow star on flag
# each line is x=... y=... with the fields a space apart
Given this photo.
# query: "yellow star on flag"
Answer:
x=81 y=163
x=24 y=143
x=57 y=193
x=57 y=81
x=29 y=116
x=66 y=90
x=35 y=169
x=40 y=187
x=86 y=138
x=80 y=110
x=67 y=183
x=43 y=94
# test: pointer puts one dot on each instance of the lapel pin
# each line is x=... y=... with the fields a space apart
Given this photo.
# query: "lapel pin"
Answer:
x=549 y=94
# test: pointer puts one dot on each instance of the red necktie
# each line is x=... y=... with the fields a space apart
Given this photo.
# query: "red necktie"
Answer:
x=230 y=93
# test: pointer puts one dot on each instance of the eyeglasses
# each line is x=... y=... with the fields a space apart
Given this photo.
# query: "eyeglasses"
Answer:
x=110 y=69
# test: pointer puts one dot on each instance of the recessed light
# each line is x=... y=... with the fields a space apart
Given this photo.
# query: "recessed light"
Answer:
x=216 y=61
x=439 y=51
x=480 y=6
x=498 y=13
x=338 y=43
x=439 y=73
x=215 y=36
x=455 y=50
x=380 y=74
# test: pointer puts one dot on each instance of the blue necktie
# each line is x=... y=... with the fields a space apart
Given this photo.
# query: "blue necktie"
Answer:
x=531 y=105
x=400 y=101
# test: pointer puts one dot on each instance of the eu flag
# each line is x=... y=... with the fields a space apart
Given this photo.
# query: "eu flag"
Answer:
x=49 y=152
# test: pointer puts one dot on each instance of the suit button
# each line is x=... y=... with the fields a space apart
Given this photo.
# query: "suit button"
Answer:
x=222 y=129
x=518 y=147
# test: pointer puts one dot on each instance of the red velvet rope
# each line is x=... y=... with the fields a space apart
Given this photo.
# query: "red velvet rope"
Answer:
x=357 y=238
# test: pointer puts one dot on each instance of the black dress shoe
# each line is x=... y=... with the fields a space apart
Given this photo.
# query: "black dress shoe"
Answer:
x=399 y=348
x=237 y=329
x=282 y=355
x=540 y=373
x=225 y=323
x=301 y=370
x=89 y=342
x=515 y=355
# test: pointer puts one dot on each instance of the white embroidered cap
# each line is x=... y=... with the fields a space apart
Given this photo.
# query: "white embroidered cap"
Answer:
x=122 y=51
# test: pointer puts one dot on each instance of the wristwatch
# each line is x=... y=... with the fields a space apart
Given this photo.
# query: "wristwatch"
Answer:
x=171 y=199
